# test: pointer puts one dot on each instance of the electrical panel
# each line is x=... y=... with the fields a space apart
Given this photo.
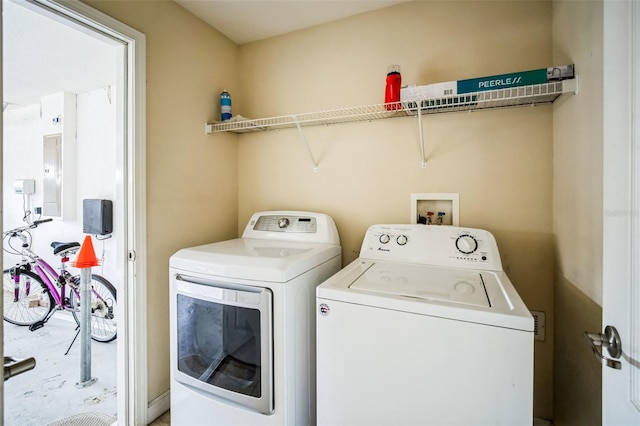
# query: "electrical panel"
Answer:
x=52 y=179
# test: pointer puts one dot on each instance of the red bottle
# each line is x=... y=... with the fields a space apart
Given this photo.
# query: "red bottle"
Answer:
x=392 y=91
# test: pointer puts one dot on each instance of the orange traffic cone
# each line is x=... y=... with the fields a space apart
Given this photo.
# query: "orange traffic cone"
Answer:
x=86 y=256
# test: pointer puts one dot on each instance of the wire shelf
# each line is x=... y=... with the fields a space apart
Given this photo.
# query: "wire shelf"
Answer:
x=522 y=95
x=345 y=115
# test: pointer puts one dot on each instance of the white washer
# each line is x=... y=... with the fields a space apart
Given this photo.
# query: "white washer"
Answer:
x=424 y=328
x=242 y=322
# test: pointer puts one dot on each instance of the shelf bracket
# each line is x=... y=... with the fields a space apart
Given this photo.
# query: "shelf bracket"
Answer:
x=570 y=86
x=313 y=159
x=423 y=158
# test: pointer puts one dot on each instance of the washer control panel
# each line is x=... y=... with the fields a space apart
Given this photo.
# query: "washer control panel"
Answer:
x=432 y=245
x=399 y=239
x=467 y=244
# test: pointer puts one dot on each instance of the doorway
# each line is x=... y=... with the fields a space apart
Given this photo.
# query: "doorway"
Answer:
x=59 y=135
x=124 y=96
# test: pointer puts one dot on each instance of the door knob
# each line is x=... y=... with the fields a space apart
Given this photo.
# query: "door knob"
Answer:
x=610 y=340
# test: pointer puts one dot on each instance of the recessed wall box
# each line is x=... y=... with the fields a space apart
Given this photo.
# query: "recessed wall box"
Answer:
x=435 y=208
x=25 y=186
x=97 y=217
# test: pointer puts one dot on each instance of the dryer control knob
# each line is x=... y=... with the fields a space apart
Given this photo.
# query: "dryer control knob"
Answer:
x=402 y=240
x=466 y=244
x=283 y=222
x=384 y=238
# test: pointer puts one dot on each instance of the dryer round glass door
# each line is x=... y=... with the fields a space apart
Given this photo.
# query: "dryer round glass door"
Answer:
x=224 y=341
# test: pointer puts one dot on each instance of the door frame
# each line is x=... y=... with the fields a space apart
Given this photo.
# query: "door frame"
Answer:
x=132 y=341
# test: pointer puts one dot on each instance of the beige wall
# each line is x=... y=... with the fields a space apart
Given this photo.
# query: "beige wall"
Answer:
x=191 y=178
x=577 y=213
x=500 y=162
x=578 y=147
x=577 y=374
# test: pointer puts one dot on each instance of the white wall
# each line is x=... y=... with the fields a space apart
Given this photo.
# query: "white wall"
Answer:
x=95 y=173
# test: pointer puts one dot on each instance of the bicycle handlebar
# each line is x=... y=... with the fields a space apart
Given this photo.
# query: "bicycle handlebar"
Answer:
x=24 y=228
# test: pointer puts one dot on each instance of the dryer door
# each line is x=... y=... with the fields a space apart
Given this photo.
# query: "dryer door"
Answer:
x=224 y=340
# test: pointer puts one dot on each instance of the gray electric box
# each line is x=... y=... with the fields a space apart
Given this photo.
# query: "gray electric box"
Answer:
x=97 y=217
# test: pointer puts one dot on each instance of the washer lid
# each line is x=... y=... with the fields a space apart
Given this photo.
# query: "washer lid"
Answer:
x=454 y=286
x=430 y=290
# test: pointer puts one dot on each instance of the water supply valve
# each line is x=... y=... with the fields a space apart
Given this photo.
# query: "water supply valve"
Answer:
x=429 y=218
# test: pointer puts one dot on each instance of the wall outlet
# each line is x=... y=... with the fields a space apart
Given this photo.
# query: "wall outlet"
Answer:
x=538 y=325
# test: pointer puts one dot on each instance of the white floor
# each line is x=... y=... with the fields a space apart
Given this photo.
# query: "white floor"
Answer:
x=48 y=392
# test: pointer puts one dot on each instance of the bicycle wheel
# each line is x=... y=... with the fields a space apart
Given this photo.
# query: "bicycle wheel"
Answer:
x=103 y=308
x=27 y=302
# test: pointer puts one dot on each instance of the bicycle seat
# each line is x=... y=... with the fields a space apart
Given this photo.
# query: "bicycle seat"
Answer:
x=63 y=248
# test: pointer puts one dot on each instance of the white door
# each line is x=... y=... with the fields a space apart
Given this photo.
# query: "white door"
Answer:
x=621 y=232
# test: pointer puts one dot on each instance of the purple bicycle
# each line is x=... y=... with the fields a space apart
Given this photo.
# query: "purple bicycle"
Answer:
x=34 y=291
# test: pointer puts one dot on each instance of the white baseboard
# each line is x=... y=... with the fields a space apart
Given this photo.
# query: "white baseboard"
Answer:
x=158 y=406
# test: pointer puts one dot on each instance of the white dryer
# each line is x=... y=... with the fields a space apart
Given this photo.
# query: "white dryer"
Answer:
x=425 y=328
x=242 y=322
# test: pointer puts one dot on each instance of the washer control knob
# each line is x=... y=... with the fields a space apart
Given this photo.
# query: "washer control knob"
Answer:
x=466 y=244
x=384 y=238
x=402 y=240
x=283 y=222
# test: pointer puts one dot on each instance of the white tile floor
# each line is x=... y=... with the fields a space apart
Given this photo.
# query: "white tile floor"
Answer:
x=48 y=392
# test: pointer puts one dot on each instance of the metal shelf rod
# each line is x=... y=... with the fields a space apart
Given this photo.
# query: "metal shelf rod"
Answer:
x=423 y=158
x=304 y=140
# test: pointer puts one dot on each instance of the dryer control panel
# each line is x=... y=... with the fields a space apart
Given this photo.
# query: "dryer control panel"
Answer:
x=285 y=223
x=448 y=246
x=308 y=227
